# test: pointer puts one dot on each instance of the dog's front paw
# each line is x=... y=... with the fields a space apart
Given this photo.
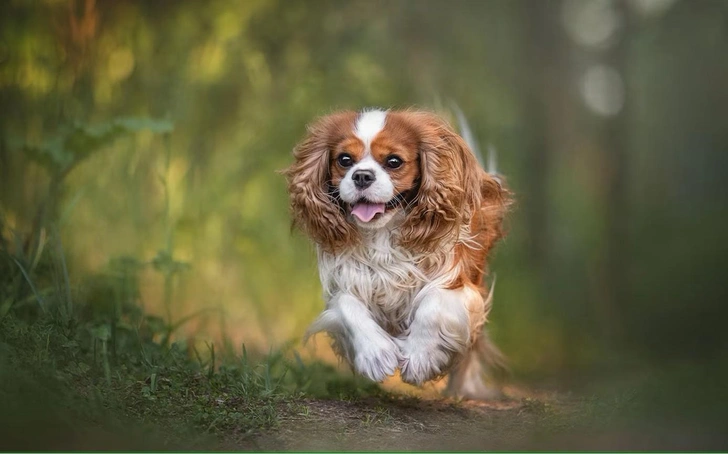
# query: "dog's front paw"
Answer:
x=422 y=360
x=376 y=357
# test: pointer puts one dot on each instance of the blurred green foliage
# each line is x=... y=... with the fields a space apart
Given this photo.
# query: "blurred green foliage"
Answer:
x=153 y=129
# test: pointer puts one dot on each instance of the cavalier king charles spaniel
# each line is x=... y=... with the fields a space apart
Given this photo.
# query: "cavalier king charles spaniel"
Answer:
x=403 y=218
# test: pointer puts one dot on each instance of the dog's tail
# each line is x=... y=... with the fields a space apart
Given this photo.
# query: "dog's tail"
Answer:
x=480 y=373
x=492 y=165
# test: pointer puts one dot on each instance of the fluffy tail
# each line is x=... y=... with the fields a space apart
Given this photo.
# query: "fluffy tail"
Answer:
x=480 y=373
x=492 y=165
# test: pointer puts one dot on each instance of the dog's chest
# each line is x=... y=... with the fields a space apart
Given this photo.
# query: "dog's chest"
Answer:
x=381 y=275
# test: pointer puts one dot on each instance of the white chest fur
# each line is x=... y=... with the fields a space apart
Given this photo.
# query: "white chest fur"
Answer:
x=380 y=274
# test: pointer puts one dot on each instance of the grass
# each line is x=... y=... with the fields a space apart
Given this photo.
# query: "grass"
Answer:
x=86 y=368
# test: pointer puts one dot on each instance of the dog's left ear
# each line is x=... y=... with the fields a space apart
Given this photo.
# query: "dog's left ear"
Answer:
x=451 y=180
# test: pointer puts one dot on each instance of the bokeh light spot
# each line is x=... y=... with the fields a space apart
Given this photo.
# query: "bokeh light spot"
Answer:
x=602 y=90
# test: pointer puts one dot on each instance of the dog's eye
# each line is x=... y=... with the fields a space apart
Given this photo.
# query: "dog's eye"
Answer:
x=345 y=160
x=394 y=162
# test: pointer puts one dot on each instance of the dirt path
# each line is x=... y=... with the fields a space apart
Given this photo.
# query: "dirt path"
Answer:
x=528 y=420
x=407 y=423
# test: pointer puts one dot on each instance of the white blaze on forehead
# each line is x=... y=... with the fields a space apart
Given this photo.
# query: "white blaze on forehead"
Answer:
x=368 y=125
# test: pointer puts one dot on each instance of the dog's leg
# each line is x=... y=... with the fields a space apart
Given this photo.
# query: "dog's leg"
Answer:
x=440 y=332
x=368 y=348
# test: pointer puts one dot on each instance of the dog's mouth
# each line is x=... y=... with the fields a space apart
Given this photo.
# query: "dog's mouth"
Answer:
x=365 y=210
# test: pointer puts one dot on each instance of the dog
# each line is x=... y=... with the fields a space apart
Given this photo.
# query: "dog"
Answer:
x=403 y=219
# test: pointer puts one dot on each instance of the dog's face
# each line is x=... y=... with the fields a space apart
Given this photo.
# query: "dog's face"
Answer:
x=376 y=169
x=371 y=170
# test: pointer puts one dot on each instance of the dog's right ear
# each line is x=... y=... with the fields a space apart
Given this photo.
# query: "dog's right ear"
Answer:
x=449 y=189
x=314 y=206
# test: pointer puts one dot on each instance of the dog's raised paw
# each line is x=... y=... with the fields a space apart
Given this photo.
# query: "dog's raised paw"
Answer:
x=376 y=358
x=420 y=363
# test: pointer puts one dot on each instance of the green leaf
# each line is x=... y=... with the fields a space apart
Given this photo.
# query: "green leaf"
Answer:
x=155 y=324
x=125 y=265
x=165 y=263
x=101 y=332
x=77 y=141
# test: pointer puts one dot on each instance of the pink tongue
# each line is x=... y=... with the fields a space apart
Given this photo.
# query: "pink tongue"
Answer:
x=366 y=211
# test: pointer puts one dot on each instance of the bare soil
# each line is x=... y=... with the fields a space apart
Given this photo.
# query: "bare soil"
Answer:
x=424 y=423
x=525 y=420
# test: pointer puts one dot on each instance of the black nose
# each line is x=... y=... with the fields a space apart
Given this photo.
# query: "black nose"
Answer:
x=363 y=178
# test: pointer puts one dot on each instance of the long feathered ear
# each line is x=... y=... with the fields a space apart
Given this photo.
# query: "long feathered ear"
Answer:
x=496 y=202
x=450 y=184
x=315 y=209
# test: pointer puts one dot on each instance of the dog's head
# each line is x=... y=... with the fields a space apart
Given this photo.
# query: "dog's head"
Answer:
x=404 y=170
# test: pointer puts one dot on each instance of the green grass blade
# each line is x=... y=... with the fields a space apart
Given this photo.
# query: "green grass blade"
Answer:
x=38 y=298
x=64 y=269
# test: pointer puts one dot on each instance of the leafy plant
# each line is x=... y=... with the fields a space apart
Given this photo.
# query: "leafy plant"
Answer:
x=64 y=151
